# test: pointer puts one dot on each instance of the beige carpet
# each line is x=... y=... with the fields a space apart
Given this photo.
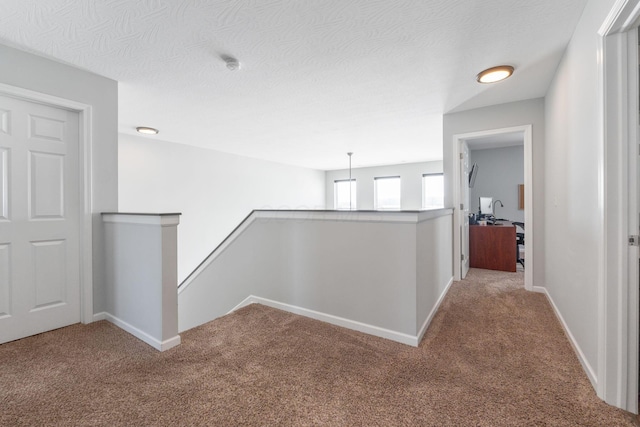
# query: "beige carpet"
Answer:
x=495 y=355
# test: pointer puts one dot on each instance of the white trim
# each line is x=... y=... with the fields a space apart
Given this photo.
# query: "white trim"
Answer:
x=527 y=131
x=141 y=335
x=245 y=302
x=86 y=197
x=99 y=316
x=601 y=234
x=457 y=199
x=163 y=220
x=618 y=207
x=632 y=220
x=581 y=357
x=622 y=17
x=359 y=216
x=334 y=320
x=435 y=308
x=427 y=215
x=351 y=324
x=539 y=289
x=85 y=148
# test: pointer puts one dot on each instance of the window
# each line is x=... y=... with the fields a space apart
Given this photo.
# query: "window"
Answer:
x=432 y=191
x=387 y=193
x=344 y=198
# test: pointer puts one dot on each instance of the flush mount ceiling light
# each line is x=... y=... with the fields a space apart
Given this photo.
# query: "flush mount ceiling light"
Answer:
x=232 y=63
x=495 y=74
x=147 y=130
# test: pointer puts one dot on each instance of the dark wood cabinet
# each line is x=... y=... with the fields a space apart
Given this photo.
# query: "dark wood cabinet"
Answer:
x=492 y=247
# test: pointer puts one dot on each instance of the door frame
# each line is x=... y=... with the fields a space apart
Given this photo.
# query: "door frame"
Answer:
x=465 y=198
x=618 y=207
x=85 y=207
x=528 y=195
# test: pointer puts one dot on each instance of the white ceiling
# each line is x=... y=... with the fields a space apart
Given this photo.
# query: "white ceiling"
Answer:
x=318 y=79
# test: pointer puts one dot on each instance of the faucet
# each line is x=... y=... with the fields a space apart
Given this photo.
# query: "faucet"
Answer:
x=494 y=207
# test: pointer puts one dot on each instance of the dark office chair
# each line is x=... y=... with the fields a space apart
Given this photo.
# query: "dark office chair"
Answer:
x=519 y=241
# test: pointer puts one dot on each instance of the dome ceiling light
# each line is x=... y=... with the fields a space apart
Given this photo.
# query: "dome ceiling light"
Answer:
x=495 y=74
x=232 y=63
x=147 y=130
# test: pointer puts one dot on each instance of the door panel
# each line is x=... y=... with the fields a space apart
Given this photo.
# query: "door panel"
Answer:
x=5 y=280
x=4 y=184
x=39 y=218
x=46 y=186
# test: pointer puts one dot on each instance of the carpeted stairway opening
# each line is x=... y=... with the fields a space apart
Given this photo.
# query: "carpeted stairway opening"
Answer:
x=494 y=355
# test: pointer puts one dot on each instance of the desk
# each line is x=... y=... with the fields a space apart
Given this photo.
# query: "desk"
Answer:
x=493 y=247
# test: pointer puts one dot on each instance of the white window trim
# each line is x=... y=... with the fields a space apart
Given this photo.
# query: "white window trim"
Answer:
x=375 y=193
x=423 y=192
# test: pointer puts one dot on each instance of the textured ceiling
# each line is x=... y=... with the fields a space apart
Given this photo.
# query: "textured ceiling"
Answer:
x=318 y=78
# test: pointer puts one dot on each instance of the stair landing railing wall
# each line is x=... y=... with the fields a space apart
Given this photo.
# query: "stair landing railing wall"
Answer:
x=379 y=272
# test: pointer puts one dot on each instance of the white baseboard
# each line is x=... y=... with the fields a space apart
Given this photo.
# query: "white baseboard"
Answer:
x=581 y=357
x=245 y=302
x=141 y=335
x=99 y=316
x=334 y=320
x=427 y=321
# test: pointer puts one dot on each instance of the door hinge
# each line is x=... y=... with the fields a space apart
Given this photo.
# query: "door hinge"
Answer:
x=461 y=206
x=461 y=257
x=634 y=240
x=461 y=156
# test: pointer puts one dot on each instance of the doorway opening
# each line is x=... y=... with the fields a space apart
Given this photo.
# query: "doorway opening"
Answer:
x=463 y=144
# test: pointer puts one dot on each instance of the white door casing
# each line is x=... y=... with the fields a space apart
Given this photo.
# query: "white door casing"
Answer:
x=39 y=218
x=618 y=308
x=458 y=140
x=464 y=209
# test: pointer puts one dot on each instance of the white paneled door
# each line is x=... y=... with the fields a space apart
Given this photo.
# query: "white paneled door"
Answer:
x=39 y=218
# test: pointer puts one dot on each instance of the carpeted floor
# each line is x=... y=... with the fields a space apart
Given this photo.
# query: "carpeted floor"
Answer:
x=495 y=355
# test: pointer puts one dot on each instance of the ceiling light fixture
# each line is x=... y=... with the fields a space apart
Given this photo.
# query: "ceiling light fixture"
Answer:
x=495 y=74
x=147 y=130
x=232 y=63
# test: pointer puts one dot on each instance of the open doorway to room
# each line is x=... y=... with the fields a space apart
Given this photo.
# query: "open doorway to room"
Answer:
x=491 y=149
x=498 y=179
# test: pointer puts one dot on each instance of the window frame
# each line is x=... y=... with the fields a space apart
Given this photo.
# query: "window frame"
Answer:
x=424 y=198
x=354 y=195
x=375 y=193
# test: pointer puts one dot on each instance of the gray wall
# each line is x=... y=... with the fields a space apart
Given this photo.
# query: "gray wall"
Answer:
x=21 y=69
x=500 y=171
x=385 y=270
x=410 y=176
x=572 y=165
x=214 y=191
x=503 y=116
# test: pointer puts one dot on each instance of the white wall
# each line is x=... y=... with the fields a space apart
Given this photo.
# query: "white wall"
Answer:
x=500 y=171
x=214 y=191
x=571 y=168
x=24 y=70
x=410 y=176
x=503 y=116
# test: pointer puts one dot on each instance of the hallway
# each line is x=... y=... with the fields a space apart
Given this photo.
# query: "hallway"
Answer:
x=495 y=355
